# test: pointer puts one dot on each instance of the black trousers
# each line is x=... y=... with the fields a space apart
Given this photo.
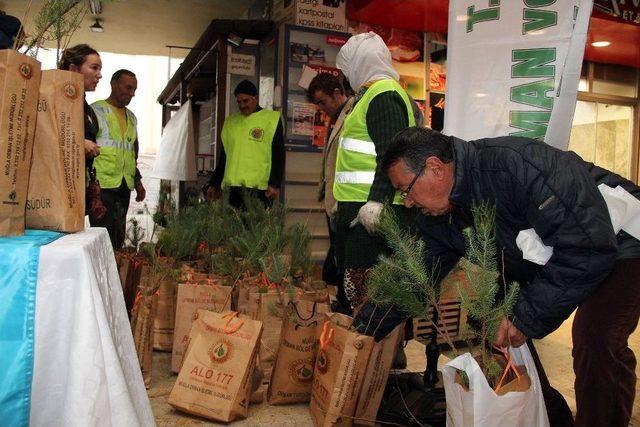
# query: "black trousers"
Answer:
x=116 y=201
x=604 y=364
x=236 y=193
x=333 y=272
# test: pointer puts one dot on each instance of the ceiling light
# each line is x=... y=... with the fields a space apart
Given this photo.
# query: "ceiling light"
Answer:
x=96 y=27
x=603 y=43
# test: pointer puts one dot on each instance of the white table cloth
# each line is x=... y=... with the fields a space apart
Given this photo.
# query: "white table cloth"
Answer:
x=86 y=371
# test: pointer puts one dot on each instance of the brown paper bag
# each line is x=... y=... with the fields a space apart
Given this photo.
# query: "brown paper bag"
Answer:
x=293 y=368
x=165 y=316
x=133 y=280
x=143 y=313
x=339 y=372
x=56 y=183
x=264 y=307
x=241 y=294
x=191 y=297
x=215 y=379
x=375 y=378
x=123 y=262
x=19 y=88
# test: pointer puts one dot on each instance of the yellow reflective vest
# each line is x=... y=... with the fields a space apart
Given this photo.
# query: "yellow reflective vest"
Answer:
x=117 y=159
x=356 y=159
x=247 y=142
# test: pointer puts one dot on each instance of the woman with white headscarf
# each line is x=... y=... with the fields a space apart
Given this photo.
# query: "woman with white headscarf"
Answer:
x=381 y=109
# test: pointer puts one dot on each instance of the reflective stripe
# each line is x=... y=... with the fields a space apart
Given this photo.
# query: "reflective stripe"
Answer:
x=358 y=145
x=103 y=126
x=112 y=144
x=354 y=177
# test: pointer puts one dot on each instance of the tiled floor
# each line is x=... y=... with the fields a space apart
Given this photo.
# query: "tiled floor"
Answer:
x=555 y=354
x=554 y=350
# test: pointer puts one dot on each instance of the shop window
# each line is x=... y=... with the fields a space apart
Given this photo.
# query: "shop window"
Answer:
x=602 y=134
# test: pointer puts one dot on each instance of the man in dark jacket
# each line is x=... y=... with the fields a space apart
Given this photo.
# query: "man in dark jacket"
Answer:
x=591 y=267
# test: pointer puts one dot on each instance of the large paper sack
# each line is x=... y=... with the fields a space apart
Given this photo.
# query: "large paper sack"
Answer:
x=375 y=378
x=480 y=406
x=292 y=374
x=166 y=314
x=142 y=316
x=56 y=198
x=19 y=85
x=264 y=306
x=339 y=372
x=215 y=379
x=192 y=297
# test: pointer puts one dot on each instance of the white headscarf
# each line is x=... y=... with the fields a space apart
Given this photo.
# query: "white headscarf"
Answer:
x=365 y=58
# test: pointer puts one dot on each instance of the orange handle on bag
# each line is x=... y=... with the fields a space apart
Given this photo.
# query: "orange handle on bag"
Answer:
x=326 y=336
x=231 y=329
x=510 y=367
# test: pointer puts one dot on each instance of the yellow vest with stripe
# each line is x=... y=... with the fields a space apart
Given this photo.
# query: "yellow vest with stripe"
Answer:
x=356 y=159
x=117 y=159
x=247 y=142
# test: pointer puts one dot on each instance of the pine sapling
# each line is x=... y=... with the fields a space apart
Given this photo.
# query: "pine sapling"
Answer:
x=402 y=279
x=135 y=233
x=481 y=298
x=299 y=240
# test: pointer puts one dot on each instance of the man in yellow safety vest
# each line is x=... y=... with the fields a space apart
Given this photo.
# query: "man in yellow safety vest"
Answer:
x=116 y=166
x=381 y=109
x=252 y=156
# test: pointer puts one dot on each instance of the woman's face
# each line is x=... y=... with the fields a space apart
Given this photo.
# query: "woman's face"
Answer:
x=91 y=70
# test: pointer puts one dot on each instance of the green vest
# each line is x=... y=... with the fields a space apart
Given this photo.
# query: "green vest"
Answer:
x=356 y=159
x=117 y=159
x=247 y=144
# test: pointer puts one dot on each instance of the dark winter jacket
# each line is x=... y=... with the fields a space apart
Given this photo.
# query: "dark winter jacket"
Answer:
x=533 y=185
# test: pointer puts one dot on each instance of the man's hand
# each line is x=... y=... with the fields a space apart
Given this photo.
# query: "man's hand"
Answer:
x=213 y=193
x=91 y=149
x=369 y=216
x=140 y=191
x=271 y=192
x=509 y=335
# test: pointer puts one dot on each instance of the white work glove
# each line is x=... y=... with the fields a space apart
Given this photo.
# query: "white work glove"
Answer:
x=368 y=216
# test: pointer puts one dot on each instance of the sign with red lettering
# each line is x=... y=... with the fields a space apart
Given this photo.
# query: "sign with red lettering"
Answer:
x=336 y=40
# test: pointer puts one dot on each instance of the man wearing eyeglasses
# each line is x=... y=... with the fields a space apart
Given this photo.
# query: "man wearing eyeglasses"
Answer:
x=592 y=258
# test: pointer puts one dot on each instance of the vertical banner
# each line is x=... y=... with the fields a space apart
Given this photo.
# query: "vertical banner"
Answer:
x=513 y=67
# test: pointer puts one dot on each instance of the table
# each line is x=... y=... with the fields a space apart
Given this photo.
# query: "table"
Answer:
x=86 y=372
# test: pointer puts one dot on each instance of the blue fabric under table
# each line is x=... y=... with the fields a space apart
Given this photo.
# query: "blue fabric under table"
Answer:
x=18 y=279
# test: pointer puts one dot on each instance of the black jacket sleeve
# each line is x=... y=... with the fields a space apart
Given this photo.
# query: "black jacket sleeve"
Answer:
x=277 y=157
x=218 y=173
x=136 y=148
x=564 y=206
x=444 y=242
x=386 y=116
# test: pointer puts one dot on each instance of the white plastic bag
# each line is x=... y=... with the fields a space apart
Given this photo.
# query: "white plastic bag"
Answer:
x=176 y=158
x=481 y=406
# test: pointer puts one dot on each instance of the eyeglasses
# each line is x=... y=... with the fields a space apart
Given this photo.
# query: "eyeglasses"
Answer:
x=404 y=194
